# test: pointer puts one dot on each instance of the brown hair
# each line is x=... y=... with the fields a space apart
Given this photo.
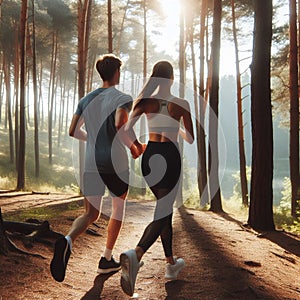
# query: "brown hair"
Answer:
x=107 y=65
x=162 y=73
x=163 y=69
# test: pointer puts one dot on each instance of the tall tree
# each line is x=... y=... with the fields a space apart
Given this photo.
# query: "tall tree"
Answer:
x=7 y=74
x=145 y=39
x=17 y=100
x=9 y=44
x=182 y=78
x=52 y=85
x=294 y=109
x=201 y=142
x=261 y=191
x=243 y=175
x=21 y=165
x=35 y=95
x=118 y=47
x=84 y=21
x=109 y=27
x=84 y=17
x=214 y=184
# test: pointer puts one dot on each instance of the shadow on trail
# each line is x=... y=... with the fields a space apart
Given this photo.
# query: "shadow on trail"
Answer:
x=32 y=200
x=222 y=276
x=173 y=288
x=285 y=241
x=281 y=238
x=96 y=290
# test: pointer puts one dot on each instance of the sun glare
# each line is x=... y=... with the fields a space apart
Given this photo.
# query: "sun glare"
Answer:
x=166 y=42
x=171 y=9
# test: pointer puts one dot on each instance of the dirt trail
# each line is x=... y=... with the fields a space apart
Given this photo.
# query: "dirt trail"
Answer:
x=223 y=261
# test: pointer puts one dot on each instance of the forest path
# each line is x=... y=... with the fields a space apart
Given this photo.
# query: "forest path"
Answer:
x=223 y=261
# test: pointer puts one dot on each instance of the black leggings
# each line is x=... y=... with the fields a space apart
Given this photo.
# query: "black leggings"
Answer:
x=165 y=191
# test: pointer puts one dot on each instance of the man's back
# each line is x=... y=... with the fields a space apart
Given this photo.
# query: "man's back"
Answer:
x=104 y=149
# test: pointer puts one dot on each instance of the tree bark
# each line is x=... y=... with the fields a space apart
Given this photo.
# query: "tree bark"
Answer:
x=109 y=27
x=214 y=184
x=242 y=156
x=294 y=111
x=261 y=192
x=6 y=68
x=4 y=248
x=84 y=15
x=201 y=142
x=51 y=95
x=118 y=48
x=182 y=65
x=145 y=41
x=16 y=89
x=21 y=164
x=35 y=95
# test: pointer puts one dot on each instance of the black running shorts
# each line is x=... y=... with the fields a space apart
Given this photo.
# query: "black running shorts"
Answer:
x=94 y=183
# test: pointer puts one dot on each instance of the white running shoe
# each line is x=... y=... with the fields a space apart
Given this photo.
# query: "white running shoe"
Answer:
x=173 y=270
x=130 y=267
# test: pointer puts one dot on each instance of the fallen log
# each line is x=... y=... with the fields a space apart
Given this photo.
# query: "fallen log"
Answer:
x=4 y=244
x=28 y=232
x=7 y=245
x=32 y=229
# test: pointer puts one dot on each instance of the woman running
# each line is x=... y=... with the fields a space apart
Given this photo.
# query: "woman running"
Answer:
x=161 y=167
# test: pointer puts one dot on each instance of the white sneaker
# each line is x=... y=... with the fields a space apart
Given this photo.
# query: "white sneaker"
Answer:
x=130 y=267
x=173 y=270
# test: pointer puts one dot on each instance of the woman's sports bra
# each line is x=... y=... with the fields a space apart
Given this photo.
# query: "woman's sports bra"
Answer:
x=162 y=121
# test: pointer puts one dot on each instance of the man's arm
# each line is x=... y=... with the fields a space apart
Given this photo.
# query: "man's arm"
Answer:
x=76 y=128
x=128 y=137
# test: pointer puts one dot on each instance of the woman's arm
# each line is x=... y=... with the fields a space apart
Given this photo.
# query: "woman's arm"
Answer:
x=188 y=132
x=76 y=128
x=137 y=148
x=124 y=125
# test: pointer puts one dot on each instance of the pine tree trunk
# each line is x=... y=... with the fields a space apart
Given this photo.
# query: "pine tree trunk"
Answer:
x=214 y=184
x=16 y=89
x=294 y=110
x=243 y=174
x=21 y=164
x=179 y=198
x=118 y=48
x=6 y=68
x=84 y=16
x=109 y=27
x=51 y=99
x=261 y=192
x=35 y=95
x=201 y=142
x=198 y=125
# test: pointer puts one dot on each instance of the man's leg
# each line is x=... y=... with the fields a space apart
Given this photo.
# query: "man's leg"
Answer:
x=91 y=214
x=63 y=245
x=115 y=221
x=107 y=263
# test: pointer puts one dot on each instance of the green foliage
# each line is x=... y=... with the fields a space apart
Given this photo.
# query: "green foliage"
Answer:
x=136 y=193
x=287 y=222
x=41 y=213
x=285 y=204
x=191 y=197
x=237 y=190
x=56 y=177
x=282 y=213
x=234 y=206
